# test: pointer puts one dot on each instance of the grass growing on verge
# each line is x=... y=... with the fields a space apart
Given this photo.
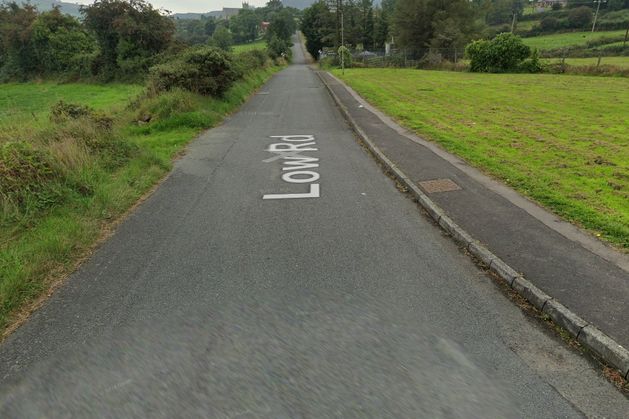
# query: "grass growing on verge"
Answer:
x=45 y=243
x=561 y=140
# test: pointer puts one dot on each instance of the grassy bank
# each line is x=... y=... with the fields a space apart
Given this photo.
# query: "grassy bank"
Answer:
x=622 y=62
x=26 y=106
x=561 y=140
x=568 y=39
x=90 y=180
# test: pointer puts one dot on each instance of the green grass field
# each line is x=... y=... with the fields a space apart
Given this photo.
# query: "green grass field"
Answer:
x=526 y=25
x=578 y=62
x=562 y=40
x=90 y=186
x=249 y=46
x=25 y=106
x=561 y=140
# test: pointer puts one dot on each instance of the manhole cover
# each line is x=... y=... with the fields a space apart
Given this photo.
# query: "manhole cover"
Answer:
x=438 y=185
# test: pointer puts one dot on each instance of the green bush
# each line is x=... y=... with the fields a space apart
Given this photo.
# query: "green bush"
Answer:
x=580 y=17
x=164 y=105
x=532 y=64
x=252 y=60
x=503 y=53
x=206 y=70
x=549 y=24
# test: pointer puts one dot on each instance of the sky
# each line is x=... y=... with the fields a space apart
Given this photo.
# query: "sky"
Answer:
x=197 y=6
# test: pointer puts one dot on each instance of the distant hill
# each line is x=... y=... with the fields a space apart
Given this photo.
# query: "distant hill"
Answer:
x=218 y=14
x=302 y=4
x=298 y=4
x=45 y=5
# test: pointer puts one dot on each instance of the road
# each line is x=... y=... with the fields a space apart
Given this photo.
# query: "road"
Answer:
x=332 y=297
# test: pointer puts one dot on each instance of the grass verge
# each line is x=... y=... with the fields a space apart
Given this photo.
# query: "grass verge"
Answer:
x=569 y=39
x=561 y=140
x=39 y=244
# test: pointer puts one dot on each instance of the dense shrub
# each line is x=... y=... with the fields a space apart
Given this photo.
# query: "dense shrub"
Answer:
x=503 y=53
x=129 y=35
x=165 y=105
x=62 y=111
x=252 y=60
x=580 y=17
x=549 y=24
x=206 y=70
x=532 y=64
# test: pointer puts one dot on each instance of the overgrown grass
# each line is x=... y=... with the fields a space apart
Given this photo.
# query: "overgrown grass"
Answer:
x=88 y=187
x=25 y=106
x=561 y=140
x=248 y=47
x=569 y=39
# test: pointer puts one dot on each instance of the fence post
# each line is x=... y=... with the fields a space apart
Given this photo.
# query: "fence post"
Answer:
x=563 y=60
x=600 y=55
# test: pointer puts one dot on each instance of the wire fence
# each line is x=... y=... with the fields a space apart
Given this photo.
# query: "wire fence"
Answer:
x=455 y=59
x=400 y=58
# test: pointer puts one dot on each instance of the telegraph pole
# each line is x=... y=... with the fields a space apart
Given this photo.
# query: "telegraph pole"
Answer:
x=515 y=13
x=598 y=7
x=342 y=43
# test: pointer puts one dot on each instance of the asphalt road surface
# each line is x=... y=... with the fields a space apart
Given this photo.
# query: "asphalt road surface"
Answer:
x=278 y=273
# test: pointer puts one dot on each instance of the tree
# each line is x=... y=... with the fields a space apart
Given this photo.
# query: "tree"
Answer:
x=617 y=4
x=58 y=40
x=367 y=23
x=129 y=33
x=16 y=51
x=282 y=25
x=502 y=11
x=381 y=28
x=244 y=26
x=222 y=38
x=318 y=27
x=430 y=24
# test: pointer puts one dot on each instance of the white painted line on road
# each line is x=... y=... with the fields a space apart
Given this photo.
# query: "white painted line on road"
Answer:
x=313 y=193
x=297 y=166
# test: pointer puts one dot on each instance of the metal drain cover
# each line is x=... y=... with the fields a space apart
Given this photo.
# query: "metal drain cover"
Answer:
x=438 y=185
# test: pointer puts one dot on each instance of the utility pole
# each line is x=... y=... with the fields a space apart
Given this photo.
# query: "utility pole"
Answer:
x=342 y=43
x=515 y=14
x=598 y=7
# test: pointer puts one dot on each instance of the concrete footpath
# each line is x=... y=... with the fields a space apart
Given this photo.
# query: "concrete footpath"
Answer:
x=581 y=283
